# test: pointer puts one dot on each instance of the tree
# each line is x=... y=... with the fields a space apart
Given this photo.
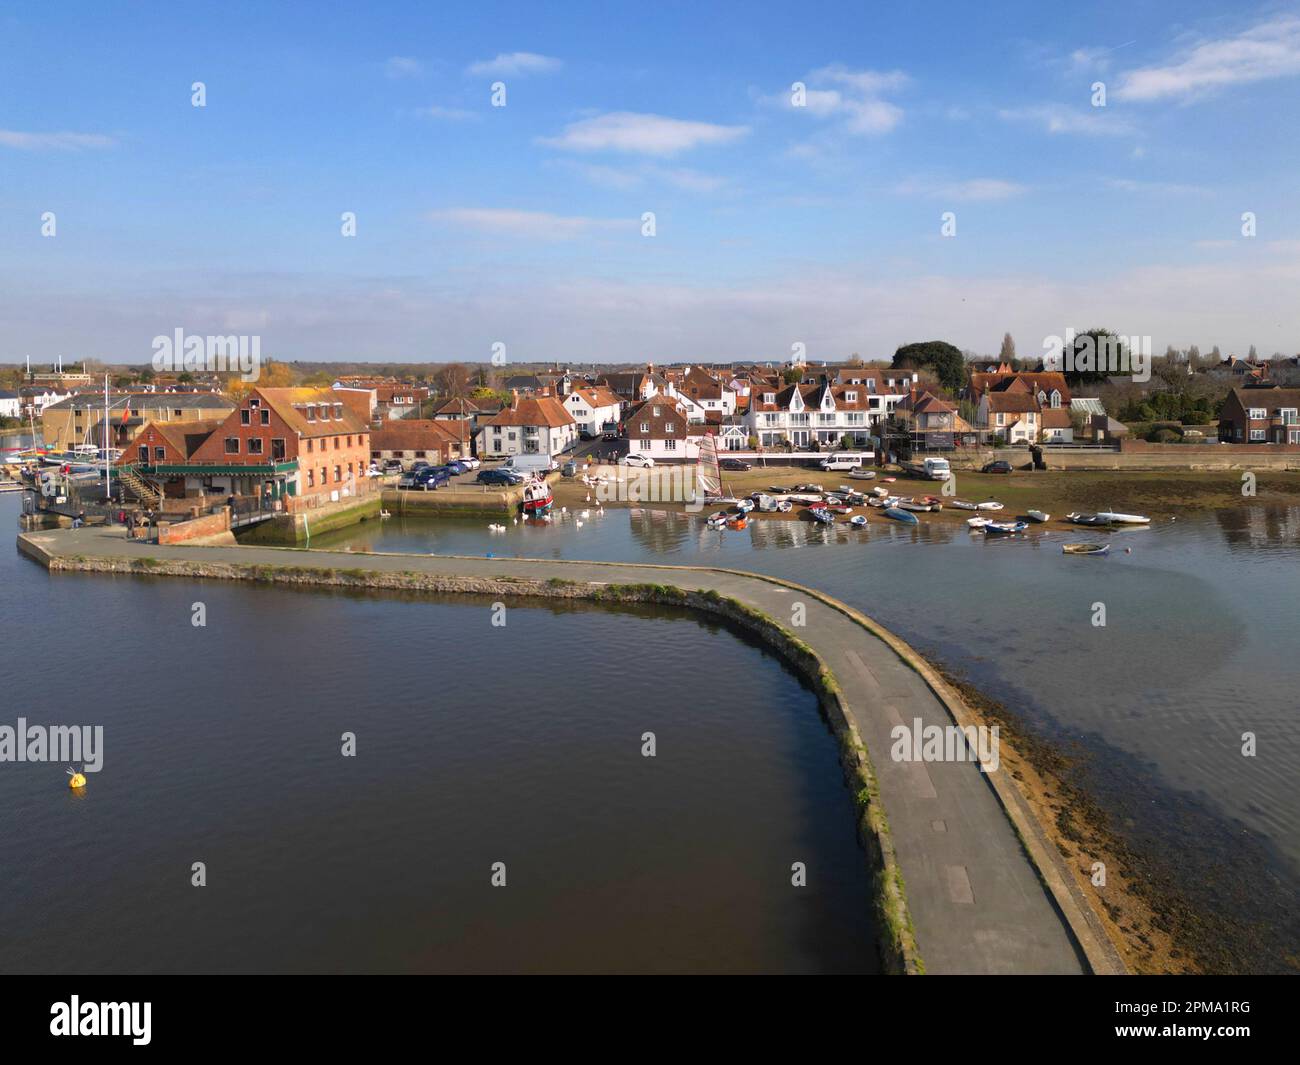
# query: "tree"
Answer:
x=1008 y=351
x=944 y=359
x=793 y=375
x=1095 y=354
x=452 y=379
x=1252 y=354
x=271 y=375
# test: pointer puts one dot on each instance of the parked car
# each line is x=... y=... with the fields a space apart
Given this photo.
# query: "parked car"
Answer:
x=734 y=464
x=841 y=460
x=469 y=462
x=644 y=461
x=1000 y=466
x=419 y=464
x=392 y=466
x=609 y=434
x=499 y=477
x=455 y=467
x=431 y=477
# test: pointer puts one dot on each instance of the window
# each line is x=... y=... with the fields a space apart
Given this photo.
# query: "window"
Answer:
x=670 y=445
x=245 y=417
x=1257 y=434
x=159 y=454
x=850 y=397
x=769 y=397
x=669 y=427
x=310 y=443
x=349 y=441
x=254 y=402
x=1288 y=415
x=336 y=443
x=176 y=413
x=255 y=445
x=144 y=454
x=232 y=445
x=645 y=427
x=1258 y=414
x=311 y=412
x=338 y=411
x=338 y=474
x=1002 y=419
x=324 y=477
x=277 y=450
x=266 y=417
x=311 y=478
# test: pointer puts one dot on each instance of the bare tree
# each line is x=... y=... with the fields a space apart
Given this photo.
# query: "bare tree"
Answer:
x=1008 y=352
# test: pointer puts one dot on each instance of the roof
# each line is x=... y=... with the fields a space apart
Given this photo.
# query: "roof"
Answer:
x=1056 y=418
x=120 y=401
x=597 y=396
x=1268 y=398
x=185 y=438
x=1012 y=402
x=1089 y=405
x=533 y=410
x=403 y=433
x=291 y=404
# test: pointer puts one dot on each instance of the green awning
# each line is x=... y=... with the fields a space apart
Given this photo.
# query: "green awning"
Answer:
x=269 y=470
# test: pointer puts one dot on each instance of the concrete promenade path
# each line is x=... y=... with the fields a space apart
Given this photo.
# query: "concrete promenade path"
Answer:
x=976 y=899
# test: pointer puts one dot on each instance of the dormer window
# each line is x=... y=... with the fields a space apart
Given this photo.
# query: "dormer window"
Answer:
x=850 y=397
x=311 y=412
x=338 y=412
x=769 y=397
x=254 y=403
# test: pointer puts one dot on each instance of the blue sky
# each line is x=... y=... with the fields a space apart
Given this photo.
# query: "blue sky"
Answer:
x=521 y=224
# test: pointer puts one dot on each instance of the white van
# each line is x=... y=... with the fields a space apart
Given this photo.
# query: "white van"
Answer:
x=842 y=460
x=530 y=464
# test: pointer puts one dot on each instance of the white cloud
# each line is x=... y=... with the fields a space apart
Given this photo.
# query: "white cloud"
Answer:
x=1095 y=122
x=1164 y=188
x=401 y=66
x=1268 y=50
x=452 y=114
x=514 y=64
x=625 y=131
x=35 y=142
x=976 y=189
x=855 y=96
x=536 y=225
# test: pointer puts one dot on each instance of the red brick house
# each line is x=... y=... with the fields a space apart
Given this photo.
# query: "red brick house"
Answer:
x=1261 y=416
x=435 y=440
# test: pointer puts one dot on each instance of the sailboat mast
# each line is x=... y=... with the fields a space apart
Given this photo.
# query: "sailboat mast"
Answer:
x=108 y=488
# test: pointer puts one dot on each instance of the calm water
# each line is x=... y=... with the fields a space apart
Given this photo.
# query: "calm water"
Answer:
x=1200 y=646
x=475 y=745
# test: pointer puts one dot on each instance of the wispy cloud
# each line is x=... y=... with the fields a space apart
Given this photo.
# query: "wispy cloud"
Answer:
x=976 y=189
x=402 y=66
x=1268 y=50
x=36 y=142
x=536 y=225
x=636 y=177
x=854 y=96
x=514 y=64
x=626 y=131
x=1095 y=122
x=450 y=114
x=1163 y=188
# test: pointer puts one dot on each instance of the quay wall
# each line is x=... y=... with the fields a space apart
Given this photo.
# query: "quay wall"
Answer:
x=289 y=530
x=1141 y=455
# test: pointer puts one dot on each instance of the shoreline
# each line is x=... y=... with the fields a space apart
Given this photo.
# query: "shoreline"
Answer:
x=1074 y=908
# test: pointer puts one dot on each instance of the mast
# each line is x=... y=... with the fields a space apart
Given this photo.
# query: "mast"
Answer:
x=108 y=488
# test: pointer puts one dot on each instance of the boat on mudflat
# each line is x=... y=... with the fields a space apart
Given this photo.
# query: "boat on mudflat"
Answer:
x=1005 y=528
x=977 y=523
x=537 y=497
x=906 y=517
x=1084 y=549
x=858 y=521
x=821 y=514
x=1039 y=516
x=1114 y=517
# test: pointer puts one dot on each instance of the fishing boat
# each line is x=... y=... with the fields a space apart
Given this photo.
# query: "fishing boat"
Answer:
x=537 y=498
x=906 y=517
x=1084 y=549
x=858 y=521
x=977 y=523
x=1039 y=516
x=1112 y=517
x=1005 y=528
x=821 y=514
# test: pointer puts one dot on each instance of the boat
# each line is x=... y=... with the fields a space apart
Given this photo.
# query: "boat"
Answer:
x=765 y=502
x=863 y=475
x=822 y=515
x=737 y=521
x=784 y=506
x=1084 y=549
x=839 y=508
x=882 y=492
x=1039 y=516
x=1085 y=519
x=991 y=504
x=858 y=521
x=1005 y=528
x=888 y=480
x=716 y=521
x=916 y=504
x=964 y=504
x=745 y=505
x=537 y=497
x=720 y=501
x=906 y=517
x=1112 y=517
x=7 y=485
x=977 y=523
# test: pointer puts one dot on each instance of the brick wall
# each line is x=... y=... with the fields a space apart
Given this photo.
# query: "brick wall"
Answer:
x=208 y=525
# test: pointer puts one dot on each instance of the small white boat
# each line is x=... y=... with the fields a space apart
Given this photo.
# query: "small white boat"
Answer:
x=784 y=506
x=1005 y=528
x=766 y=503
x=863 y=475
x=1038 y=516
x=1085 y=549
x=718 y=520
x=1112 y=517
x=990 y=505
x=964 y=504
x=977 y=523
x=858 y=521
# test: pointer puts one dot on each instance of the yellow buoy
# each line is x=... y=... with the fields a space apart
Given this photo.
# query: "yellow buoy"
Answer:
x=76 y=780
